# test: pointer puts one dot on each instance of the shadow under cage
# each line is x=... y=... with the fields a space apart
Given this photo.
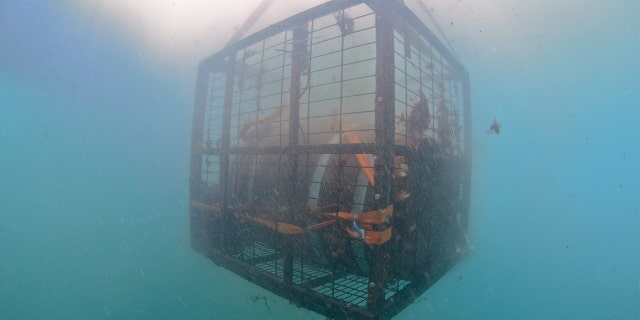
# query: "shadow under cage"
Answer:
x=330 y=159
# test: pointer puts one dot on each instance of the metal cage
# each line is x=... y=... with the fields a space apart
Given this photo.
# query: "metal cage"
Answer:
x=330 y=159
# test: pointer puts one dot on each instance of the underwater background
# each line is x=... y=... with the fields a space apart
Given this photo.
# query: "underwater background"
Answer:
x=95 y=121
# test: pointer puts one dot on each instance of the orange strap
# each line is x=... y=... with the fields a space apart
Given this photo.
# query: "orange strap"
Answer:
x=271 y=117
x=372 y=237
x=205 y=206
x=370 y=217
x=365 y=219
x=287 y=228
x=363 y=159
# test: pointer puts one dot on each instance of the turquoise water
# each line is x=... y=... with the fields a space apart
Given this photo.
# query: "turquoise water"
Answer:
x=94 y=170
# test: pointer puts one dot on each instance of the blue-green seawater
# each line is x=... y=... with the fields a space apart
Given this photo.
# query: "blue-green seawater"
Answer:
x=94 y=156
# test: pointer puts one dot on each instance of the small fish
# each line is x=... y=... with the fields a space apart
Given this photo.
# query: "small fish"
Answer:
x=494 y=128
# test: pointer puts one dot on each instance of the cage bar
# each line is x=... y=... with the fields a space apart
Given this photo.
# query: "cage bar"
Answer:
x=330 y=159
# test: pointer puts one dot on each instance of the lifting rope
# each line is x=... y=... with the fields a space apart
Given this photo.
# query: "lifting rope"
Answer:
x=251 y=20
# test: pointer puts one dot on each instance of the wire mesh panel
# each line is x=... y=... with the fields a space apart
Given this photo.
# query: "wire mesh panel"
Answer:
x=429 y=92
x=339 y=83
x=330 y=158
x=259 y=114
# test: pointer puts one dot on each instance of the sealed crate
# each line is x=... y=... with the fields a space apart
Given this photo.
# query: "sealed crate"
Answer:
x=330 y=159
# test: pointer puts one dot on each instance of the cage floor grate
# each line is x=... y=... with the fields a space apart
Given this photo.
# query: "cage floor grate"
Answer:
x=350 y=288
x=301 y=273
x=256 y=251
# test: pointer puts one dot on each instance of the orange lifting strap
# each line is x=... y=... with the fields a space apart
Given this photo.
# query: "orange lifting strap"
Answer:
x=363 y=159
x=273 y=116
x=205 y=206
x=287 y=228
x=370 y=217
x=365 y=219
x=372 y=237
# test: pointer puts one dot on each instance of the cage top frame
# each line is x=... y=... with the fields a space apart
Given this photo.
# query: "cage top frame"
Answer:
x=213 y=62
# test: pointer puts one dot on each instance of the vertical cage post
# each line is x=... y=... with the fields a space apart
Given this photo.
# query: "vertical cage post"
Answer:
x=197 y=144
x=197 y=131
x=466 y=192
x=224 y=144
x=384 y=130
x=298 y=55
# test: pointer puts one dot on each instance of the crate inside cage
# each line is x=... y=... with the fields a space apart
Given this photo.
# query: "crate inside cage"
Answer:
x=330 y=159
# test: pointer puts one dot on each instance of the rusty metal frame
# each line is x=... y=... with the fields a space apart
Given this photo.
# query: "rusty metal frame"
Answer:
x=205 y=229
